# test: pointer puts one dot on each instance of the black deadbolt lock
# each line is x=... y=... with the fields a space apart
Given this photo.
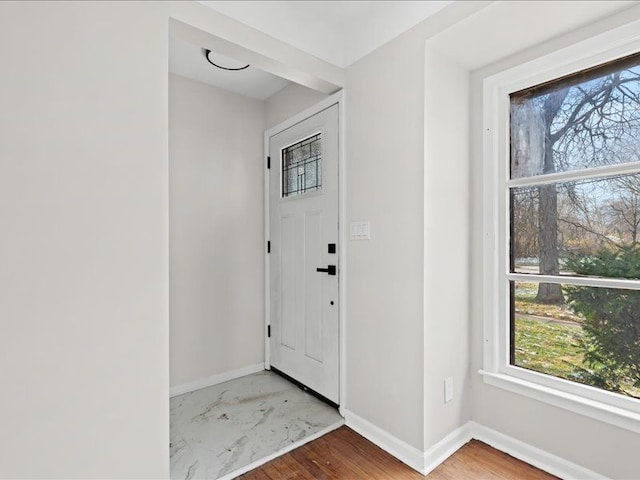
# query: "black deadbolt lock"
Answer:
x=332 y=248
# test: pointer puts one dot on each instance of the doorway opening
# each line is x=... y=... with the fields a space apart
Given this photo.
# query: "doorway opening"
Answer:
x=229 y=413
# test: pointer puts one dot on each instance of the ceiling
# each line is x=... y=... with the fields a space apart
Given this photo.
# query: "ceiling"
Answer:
x=339 y=32
x=342 y=32
x=558 y=17
x=188 y=60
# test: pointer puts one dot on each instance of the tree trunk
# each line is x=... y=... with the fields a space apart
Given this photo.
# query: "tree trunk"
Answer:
x=548 y=242
x=532 y=154
x=548 y=233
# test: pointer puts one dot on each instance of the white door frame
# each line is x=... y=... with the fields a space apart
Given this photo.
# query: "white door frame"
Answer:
x=337 y=98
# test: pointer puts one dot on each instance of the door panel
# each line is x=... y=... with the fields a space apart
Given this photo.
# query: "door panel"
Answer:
x=303 y=193
x=289 y=259
x=313 y=283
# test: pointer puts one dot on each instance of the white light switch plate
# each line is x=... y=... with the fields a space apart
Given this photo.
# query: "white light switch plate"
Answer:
x=360 y=231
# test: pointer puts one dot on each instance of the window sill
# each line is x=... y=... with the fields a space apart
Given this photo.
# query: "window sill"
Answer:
x=590 y=408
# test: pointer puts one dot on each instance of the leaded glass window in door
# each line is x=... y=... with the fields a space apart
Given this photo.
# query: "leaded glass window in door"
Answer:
x=302 y=167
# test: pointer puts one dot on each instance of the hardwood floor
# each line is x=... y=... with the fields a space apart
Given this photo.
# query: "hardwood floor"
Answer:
x=343 y=454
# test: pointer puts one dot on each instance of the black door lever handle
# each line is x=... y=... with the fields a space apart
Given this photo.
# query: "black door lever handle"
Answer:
x=331 y=269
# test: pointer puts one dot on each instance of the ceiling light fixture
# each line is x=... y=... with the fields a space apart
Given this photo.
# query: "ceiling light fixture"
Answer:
x=232 y=69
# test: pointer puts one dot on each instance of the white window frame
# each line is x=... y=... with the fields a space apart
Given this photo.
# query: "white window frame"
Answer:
x=596 y=403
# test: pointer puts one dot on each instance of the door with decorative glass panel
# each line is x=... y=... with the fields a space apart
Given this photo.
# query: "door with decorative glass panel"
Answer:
x=303 y=198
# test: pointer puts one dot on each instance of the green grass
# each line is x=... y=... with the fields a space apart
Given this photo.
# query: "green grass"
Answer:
x=548 y=347
x=554 y=349
x=526 y=304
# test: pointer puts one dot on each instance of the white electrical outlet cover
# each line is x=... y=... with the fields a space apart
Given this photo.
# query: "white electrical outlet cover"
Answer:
x=448 y=389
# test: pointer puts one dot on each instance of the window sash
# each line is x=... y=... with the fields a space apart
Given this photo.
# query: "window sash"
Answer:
x=551 y=381
x=506 y=276
x=583 y=174
x=625 y=283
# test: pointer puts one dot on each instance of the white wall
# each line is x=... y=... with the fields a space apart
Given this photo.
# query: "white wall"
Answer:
x=84 y=209
x=84 y=255
x=384 y=286
x=215 y=230
x=292 y=99
x=392 y=325
x=446 y=244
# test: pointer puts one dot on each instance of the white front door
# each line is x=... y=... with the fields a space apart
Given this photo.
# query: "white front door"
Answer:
x=303 y=182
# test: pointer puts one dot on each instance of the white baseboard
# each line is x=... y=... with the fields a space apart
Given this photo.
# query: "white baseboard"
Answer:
x=404 y=452
x=527 y=453
x=215 y=379
x=425 y=462
x=293 y=446
x=446 y=447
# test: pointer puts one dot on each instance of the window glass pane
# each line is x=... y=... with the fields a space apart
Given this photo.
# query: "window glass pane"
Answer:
x=587 y=227
x=591 y=337
x=590 y=119
x=302 y=167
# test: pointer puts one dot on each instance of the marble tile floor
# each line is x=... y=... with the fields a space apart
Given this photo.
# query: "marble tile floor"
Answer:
x=222 y=428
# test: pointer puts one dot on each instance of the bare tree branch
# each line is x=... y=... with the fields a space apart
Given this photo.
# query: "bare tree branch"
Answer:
x=591 y=231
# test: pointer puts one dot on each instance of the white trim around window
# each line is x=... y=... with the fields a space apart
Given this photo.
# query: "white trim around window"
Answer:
x=582 y=399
